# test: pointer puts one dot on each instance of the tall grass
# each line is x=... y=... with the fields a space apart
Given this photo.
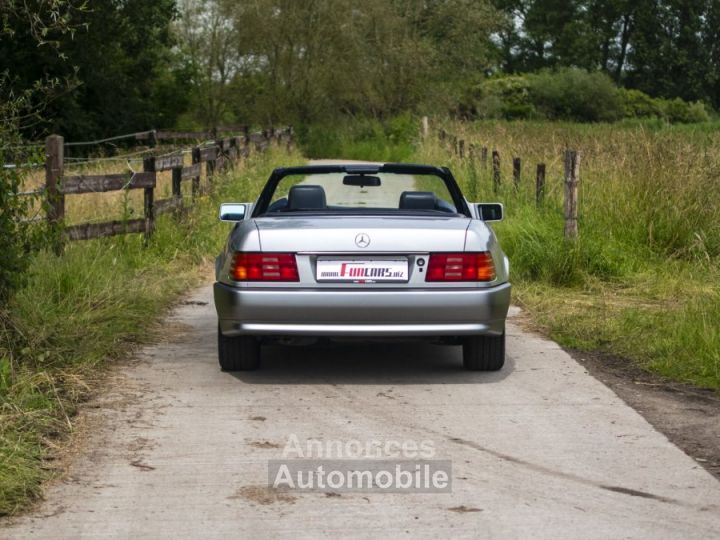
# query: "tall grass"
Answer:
x=641 y=281
x=360 y=139
x=81 y=310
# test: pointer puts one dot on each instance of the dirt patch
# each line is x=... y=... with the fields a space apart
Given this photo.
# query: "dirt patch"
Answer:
x=262 y=495
x=142 y=466
x=688 y=416
x=264 y=444
x=462 y=509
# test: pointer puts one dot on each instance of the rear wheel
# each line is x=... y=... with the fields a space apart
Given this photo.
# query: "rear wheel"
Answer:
x=484 y=353
x=238 y=353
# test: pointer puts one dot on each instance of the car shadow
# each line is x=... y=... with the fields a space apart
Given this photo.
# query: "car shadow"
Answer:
x=368 y=363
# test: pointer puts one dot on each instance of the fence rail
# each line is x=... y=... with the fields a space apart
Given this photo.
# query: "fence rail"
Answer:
x=217 y=156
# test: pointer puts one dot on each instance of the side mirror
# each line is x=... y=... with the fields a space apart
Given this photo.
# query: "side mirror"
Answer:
x=490 y=211
x=233 y=212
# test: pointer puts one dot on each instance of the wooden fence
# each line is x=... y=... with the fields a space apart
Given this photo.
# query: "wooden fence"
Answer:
x=571 y=160
x=216 y=157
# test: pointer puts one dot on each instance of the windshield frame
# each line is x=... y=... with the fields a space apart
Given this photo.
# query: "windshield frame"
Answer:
x=263 y=202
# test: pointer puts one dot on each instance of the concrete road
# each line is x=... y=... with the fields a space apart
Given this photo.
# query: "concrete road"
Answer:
x=539 y=450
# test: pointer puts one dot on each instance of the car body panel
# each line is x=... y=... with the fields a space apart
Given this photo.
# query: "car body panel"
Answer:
x=310 y=307
x=343 y=312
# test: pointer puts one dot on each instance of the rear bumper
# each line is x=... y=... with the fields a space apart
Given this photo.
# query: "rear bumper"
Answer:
x=335 y=312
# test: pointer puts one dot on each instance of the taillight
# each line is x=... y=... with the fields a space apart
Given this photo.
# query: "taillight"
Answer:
x=460 y=267
x=264 y=267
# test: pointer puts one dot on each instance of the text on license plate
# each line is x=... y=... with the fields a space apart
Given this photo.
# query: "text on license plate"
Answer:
x=362 y=270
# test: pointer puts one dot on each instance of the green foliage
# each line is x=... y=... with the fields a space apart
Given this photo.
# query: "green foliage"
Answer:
x=362 y=139
x=20 y=107
x=638 y=104
x=664 y=48
x=641 y=281
x=15 y=236
x=97 y=301
x=504 y=97
x=302 y=66
x=574 y=94
x=112 y=59
x=679 y=111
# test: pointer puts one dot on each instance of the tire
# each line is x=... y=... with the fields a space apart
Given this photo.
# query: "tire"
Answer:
x=238 y=353
x=484 y=353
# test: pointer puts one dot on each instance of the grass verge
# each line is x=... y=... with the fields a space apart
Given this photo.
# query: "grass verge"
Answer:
x=642 y=280
x=88 y=307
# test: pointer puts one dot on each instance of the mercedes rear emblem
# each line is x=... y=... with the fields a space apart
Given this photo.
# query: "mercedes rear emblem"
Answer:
x=362 y=240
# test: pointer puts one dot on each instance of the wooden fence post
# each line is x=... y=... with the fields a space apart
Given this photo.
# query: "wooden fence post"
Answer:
x=149 y=199
x=425 y=127
x=472 y=151
x=461 y=148
x=517 y=171
x=441 y=134
x=238 y=143
x=196 y=179
x=177 y=187
x=540 y=184
x=497 y=180
x=483 y=157
x=572 y=179
x=54 y=162
x=210 y=172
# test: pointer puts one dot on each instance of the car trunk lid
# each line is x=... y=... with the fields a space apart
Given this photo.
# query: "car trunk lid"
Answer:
x=357 y=235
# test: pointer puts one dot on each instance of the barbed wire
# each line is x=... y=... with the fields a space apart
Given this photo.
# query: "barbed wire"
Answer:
x=110 y=139
x=23 y=165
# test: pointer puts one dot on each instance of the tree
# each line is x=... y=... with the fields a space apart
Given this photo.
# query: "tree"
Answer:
x=118 y=55
x=209 y=56
x=668 y=55
x=665 y=48
x=21 y=108
x=302 y=61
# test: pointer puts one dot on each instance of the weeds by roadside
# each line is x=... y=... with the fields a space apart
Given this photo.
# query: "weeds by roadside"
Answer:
x=642 y=280
x=88 y=307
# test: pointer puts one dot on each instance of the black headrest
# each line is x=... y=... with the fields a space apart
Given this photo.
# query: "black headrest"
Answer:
x=417 y=200
x=306 y=198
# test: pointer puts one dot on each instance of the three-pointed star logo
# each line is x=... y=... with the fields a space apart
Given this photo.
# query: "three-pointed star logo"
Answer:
x=362 y=240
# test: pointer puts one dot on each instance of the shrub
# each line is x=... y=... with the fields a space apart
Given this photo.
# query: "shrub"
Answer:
x=504 y=97
x=361 y=138
x=575 y=94
x=14 y=235
x=638 y=104
x=682 y=112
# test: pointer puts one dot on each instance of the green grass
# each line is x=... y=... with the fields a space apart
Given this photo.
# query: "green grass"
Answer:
x=360 y=139
x=88 y=307
x=642 y=280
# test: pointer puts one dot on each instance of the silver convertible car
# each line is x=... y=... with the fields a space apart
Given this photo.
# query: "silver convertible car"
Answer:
x=370 y=251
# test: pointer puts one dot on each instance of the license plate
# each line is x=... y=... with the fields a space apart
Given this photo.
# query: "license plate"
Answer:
x=362 y=270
